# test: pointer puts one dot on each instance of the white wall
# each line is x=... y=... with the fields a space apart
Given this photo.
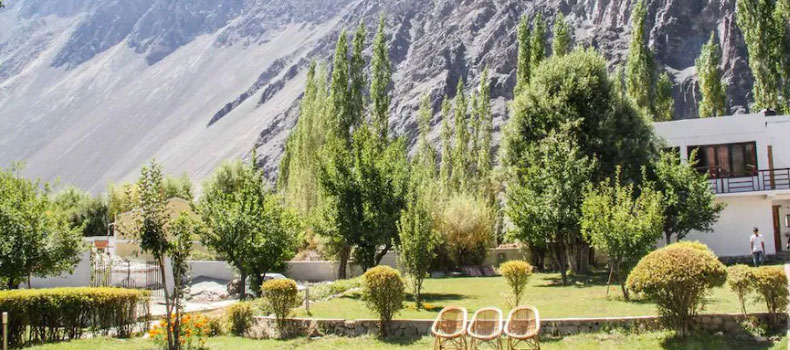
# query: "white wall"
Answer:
x=730 y=236
x=80 y=277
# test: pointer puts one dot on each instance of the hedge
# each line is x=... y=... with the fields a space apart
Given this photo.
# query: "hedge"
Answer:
x=57 y=314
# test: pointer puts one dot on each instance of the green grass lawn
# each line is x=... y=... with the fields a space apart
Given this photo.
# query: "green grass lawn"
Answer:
x=615 y=341
x=585 y=297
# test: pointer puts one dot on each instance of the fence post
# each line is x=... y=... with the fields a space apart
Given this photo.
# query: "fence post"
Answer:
x=5 y=331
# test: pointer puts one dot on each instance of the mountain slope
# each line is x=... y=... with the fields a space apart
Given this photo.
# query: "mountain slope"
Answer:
x=92 y=89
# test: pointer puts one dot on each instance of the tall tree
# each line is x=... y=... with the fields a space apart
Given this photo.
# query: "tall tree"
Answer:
x=561 y=43
x=711 y=85
x=357 y=78
x=460 y=175
x=689 y=205
x=446 y=169
x=426 y=154
x=756 y=20
x=84 y=212
x=418 y=238
x=640 y=69
x=537 y=43
x=381 y=74
x=484 y=163
x=664 y=104
x=339 y=107
x=524 y=56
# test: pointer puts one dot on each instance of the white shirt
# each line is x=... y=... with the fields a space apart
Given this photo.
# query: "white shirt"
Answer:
x=757 y=243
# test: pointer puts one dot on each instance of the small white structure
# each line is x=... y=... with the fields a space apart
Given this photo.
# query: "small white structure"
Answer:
x=748 y=160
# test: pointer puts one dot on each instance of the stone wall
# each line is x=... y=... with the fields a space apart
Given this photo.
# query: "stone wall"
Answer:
x=264 y=327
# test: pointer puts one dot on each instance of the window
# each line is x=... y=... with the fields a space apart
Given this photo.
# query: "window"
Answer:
x=727 y=160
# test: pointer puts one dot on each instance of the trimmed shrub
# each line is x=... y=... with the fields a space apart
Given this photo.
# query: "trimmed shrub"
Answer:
x=327 y=290
x=57 y=314
x=240 y=318
x=771 y=285
x=217 y=326
x=280 y=296
x=740 y=279
x=516 y=274
x=677 y=278
x=383 y=292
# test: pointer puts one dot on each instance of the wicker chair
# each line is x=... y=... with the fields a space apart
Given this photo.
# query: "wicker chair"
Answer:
x=486 y=328
x=523 y=328
x=449 y=329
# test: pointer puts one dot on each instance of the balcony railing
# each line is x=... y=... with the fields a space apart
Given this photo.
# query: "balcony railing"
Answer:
x=760 y=180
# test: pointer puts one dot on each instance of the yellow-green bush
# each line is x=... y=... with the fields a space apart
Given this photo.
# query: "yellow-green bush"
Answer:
x=771 y=285
x=383 y=293
x=281 y=296
x=677 y=278
x=240 y=317
x=740 y=279
x=57 y=314
x=516 y=274
x=467 y=227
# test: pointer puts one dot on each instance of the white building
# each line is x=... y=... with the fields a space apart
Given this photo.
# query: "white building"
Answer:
x=748 y=161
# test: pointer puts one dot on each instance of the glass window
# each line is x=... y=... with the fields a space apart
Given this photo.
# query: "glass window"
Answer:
x=727 y=160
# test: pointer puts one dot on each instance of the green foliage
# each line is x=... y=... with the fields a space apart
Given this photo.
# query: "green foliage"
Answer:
x=516 y=273
x=383 y=292
x=711 y=84
x=770 y=283
x=740 y=280
x=247 y=225
x=677 y=279
x=625 y=226
x=83 y=212
x=339 y=116
x=460 y=177
x=640 y=68
x=381 y=75
x=523 y=59
x=326 y=290
x=35 y=240
x=561 y=43
x=664 y=104
x=180 y=187
x=446 y=167
x=426 y=154
x=418 y=239
x=760 y=23
x=689 y=205
x=57 y=314
x=466 y=224
x=357 y=79
x=281 y=296
x=484 y=163
x=537 y=43
x=240 y=317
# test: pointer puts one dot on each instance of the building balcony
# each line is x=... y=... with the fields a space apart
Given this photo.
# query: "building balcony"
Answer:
x=756 y=181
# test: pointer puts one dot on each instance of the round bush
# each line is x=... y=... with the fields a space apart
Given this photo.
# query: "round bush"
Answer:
x=771 y=285
x=740 y=279
x=240 y=317
x=382 y=289
x=467 y=227
x=280 y=296
x=516 y=274
x=677 y=278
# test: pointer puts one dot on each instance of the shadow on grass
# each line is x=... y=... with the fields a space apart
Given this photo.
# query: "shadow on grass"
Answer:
x=402 y=341
x=579 y=281
x=707 y=341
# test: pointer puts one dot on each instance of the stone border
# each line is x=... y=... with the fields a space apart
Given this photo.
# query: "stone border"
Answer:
x=264 y=326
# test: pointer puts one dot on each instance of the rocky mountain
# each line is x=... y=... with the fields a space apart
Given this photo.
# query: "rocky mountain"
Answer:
x=92 y=89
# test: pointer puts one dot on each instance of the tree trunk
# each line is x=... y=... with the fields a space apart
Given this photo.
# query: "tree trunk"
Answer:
x=668 y=238
x=243 y=285
x=579 y=256
x=382 y=253
x=171 y=343
x=621 y=279
x=343 y=261
x=562 y=261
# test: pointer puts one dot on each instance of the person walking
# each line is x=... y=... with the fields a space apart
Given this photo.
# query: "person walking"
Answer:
x=758 y=247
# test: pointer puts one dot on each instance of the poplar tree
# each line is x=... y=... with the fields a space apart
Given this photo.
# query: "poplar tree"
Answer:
x=639 y=67
x=357 y=79
x=474 y=132
x=426 y=154
x=756 y=20
x=711 y=85
x=460 y=175
x=445 y=171
x=338 y=91
x=380 y=80
x=561 y=43
x=664 y=104
x=537 y=45
x=522 y=65
x=486 y=126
